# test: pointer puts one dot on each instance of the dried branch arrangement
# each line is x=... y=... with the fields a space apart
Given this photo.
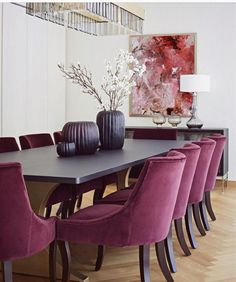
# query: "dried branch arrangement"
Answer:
x=117 y=83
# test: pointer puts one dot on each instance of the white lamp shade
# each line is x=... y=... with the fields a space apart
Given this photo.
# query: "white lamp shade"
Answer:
x=194 y=83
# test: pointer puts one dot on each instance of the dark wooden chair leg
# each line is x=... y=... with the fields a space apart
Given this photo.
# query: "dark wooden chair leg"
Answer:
x=98 y=194
x=79 y=201
x=71 y=206
x=48 y=211
x=65 y=209
x=196 y=215
x=52 y=261
x=203 y=214
x=209 y=206
x=144 y=257
x=189 y=227
x=160 y=252
x=100 y=257
x=59 y=211
x=7 y=271
x=169 y=251
x=66 y=259
x=180 y=236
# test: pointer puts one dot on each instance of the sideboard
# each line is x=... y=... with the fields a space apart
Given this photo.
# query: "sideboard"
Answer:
x=184 y=133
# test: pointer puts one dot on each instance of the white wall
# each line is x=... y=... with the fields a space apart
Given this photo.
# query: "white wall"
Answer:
x=215 y=25
x=33 y=90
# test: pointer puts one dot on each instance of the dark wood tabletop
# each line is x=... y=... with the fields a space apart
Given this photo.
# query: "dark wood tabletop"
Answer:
x=43 y=164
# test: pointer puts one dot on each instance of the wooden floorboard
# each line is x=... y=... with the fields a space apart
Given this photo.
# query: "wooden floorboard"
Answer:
x=213 y=261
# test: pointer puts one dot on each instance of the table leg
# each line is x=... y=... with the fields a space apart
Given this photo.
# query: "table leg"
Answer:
x=123 y=178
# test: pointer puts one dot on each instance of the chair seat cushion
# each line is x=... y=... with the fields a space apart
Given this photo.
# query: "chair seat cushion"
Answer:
x=95 y=212
x=91 y=225
x=118 y=197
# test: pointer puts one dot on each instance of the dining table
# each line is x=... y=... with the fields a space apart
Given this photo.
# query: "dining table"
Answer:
x=43 y=169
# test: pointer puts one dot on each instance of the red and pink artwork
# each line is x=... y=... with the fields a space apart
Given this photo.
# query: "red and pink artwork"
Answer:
x=166 y=57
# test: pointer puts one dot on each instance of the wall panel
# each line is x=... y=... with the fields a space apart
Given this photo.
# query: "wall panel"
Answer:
x=33 y=90
x=14 y=71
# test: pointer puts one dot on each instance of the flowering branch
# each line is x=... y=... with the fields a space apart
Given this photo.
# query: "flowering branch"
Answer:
x=83 y=78
x=116 y=84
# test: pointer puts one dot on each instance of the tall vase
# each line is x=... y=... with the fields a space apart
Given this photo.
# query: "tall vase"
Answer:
x=111 y=126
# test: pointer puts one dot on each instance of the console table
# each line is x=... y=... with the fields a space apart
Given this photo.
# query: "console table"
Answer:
x=184 y=133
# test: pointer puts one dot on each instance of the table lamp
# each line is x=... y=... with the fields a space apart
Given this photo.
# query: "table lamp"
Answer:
x=194 y=83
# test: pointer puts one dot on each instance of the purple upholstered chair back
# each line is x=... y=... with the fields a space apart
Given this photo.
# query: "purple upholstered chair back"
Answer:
x=207 y=148
x=58 y=137
x=35 y=140
x=8 y=144
x=145 y=217
x=22 y=232
x=155 y=134
x=215 y=161
x=153 y=198
x=192 y=153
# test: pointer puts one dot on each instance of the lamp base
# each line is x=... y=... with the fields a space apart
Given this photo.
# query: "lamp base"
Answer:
x=194 y=122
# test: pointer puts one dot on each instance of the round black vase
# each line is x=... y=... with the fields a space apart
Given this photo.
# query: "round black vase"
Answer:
x=84 y=134
x=111 y=126
x=66 y=149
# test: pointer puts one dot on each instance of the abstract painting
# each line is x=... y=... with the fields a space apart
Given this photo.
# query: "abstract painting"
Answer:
x=166 y=57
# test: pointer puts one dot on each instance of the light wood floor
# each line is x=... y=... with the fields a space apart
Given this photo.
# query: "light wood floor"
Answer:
x=214 y=260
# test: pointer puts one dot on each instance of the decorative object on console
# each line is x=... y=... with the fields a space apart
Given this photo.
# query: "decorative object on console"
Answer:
x=66 y=149
x=166 y=57
x=158 y=119
x=174 y=120
x=84 y=134
x=111 y=126
x=194 y=83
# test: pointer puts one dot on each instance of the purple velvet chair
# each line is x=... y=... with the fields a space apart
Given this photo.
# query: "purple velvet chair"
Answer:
x=192 y=152
x=22 y=232
x=130 y=224
x=211 y=179
x=197 y=190
x=58 y=137
x=35 y=140
x=8 y=144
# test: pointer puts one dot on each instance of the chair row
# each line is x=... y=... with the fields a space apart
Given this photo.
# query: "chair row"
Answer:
x=168 y=189
x=143 y=214
x=9 y=144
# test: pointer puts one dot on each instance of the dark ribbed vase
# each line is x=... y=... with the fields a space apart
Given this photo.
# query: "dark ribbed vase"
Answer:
x=66 y=149
x=84 y=134
x=111 y=126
